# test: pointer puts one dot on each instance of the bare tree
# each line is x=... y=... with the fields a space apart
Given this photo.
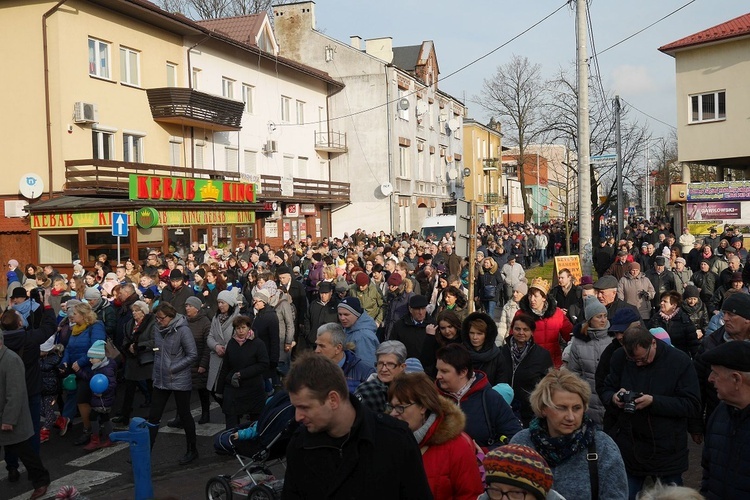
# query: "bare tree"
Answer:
x=516 y=95
x=215 y=9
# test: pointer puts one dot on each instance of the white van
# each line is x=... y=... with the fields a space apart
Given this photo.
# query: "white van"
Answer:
x=437 y=226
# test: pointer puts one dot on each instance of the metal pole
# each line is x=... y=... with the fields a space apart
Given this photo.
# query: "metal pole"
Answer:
x=648 y=181
x=472 y=252
x=118 y=251
x=584 y=210
x=538 y=187
x=618 y=140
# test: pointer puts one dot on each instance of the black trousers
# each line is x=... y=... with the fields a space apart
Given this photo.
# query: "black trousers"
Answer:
x=38 y=475
x=130 y=387
x=159 y=401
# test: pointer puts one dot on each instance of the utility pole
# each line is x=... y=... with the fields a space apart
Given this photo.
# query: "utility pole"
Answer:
x=648 y=181
x=584 y=153
x=618 y=140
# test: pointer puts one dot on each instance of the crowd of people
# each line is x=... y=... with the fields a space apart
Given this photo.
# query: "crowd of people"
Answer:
x=624 y=367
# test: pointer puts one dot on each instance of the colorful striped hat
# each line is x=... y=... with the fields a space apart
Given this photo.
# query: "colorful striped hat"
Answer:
x=520 y=466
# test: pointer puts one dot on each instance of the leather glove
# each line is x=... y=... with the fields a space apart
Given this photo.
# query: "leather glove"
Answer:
x=236 y=379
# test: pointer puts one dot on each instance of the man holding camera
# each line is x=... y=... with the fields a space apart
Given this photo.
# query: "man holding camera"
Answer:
x=653 y=390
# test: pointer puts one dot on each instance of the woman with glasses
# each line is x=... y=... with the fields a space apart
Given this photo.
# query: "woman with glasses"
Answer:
x=391 y=362
x=516 y=472
x=568 y=440
x=448 y=454
x=174 y=355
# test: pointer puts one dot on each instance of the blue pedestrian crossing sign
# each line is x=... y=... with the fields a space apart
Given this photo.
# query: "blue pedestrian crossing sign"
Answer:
x=120 y=224
x=631 y=210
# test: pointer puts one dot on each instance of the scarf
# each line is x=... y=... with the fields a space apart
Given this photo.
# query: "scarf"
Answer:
x=540 y=312
x=667 y=317
x=556 y=450
x=26 y=308
x=240 y=341
x=462 y=391
x=77 y=329
x=210 y=286
x=518 y=353
x=223 y=317
x=420 y=433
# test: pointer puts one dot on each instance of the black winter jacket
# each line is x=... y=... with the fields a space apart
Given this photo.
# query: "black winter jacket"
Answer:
x=709 y=398
x=410 y=334
x=266 y=328
x=26 y=344
x=488 y=358
x=524 y=377
x=726 y=454
x=681 y=331
x=250 y=360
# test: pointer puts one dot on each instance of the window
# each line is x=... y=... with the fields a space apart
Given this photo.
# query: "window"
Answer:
x=285 y=104
x=322 y=126
x=248 y=93
x=421 y=166
x=232 y=159
x=402 y=113
x=431 y=171
x=708 y=107
x=251 y=162
x=300 y=113
x=171 y=75
x=103 y=142
x=227 y=88
x=98 y=58
x=196 y=78
x=58 y=246
x=198 y=152
x=132 y=148
x=302 y=167
x=289 y=166
x=175 y=151
x=129 y=72
x=404 y=169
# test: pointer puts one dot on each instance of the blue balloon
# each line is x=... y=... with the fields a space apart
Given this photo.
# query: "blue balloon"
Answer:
x=99 y=383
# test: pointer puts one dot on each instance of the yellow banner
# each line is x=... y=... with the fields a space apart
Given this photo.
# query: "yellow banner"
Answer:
x=570 y=262
x=700 y=228
x=166 y=218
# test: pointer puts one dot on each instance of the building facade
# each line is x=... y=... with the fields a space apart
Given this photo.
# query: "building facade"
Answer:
x=482 y=156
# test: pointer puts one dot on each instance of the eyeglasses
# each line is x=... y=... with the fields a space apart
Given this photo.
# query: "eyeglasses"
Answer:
x=510 y=495
x=399 y=409
x=160 y=318
x=384 y=364
x=642 y=359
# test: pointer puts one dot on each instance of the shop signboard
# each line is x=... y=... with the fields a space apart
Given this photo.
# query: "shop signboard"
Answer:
x=718 y=191
x=165 y=218
x=714 y=210
x=183 y=189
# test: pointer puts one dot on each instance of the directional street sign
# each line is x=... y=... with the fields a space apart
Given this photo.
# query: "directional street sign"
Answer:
x=120 y=224
x=611 y=158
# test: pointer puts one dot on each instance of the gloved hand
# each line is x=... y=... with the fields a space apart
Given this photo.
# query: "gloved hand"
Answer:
x=236 y=379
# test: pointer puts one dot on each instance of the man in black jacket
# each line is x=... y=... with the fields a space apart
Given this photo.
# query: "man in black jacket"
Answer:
x=653 y=390
x=295 y=289
x=342 y=449
x=176 y=293
x=410 y=329
x=321 y=311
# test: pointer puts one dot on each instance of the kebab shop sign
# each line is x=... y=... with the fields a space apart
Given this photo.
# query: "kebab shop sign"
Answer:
x=160 y=188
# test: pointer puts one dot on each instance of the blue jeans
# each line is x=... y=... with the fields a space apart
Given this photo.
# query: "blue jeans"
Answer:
x=635 y=483
x=489 y=307
x=35 y=408
x=71 y=404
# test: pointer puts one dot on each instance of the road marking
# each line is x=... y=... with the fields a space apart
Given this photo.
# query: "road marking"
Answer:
x=83 y=480
x=4 y=472
x=90 y=458
x=206 y=430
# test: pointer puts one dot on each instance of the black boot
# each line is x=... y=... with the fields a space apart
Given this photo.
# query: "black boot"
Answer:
x=175 y=423
x=190 y=455
x=205 y=418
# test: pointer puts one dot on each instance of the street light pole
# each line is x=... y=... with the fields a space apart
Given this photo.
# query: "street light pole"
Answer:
x=648 y=180
x=584 y=185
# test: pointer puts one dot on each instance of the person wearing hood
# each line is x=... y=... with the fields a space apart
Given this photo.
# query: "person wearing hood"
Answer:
x=551 y=322
x=509 y=312
x=360 y=329
x=174 y=355
x=479 y=332
x=448 y=454
x=447 y=330
x=489 y=286
x=220 y=333
x=490 y=422
x=636 y=289
x=695 y=309
x=590 y=339
x=523 y=364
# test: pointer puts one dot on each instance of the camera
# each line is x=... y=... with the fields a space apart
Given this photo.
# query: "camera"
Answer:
x=643 y=294
x=629 y=398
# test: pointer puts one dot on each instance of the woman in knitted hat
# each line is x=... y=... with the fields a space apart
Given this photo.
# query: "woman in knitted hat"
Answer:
x=552 y=324
x=676 y=322
x=448 y=454
x=219 y=335
x=514 y=472
x=590 y=339
x=694 y=307
x=567 y=438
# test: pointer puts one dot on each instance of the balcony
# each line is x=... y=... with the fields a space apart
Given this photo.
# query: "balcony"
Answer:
x=190 y=108
x=304 y=190
x=489 y=165
x=491 y=199
x=330 y=142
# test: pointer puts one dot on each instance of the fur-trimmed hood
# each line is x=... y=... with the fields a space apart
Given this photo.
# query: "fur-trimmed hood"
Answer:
x=447 y=427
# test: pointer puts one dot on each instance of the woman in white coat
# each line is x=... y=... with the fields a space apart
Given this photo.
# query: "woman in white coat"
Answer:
x=220 y=334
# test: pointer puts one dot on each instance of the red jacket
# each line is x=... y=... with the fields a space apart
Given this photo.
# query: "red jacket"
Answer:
x=552 y=325
x=449 y=457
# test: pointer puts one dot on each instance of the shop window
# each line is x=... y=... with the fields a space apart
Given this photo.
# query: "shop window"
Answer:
x=58 y=247
x=150 y=235
x=245 y=233
x=221 y=236
x=179 y=240
x=104 y=237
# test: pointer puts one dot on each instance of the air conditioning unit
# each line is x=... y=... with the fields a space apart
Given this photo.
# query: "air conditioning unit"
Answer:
x=270 y=147
x=85 y=112
x=15 y=208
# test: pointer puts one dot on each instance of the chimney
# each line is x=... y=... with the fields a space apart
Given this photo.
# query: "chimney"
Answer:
x=382 y=48
x=356 y=42
x=301 y=13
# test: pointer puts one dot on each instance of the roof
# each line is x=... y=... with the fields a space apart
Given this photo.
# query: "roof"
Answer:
x=739 y=26
x=242 y=28
x=406 y=57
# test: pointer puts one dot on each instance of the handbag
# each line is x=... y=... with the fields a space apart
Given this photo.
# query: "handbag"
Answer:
x=111 y=351
x=146 y=356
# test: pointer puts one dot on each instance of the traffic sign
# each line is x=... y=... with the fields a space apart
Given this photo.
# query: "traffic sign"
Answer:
x=631 y=210
x=604 y=158
x=120 y=224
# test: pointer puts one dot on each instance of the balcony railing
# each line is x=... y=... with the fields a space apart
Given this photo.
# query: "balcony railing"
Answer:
x=330 y=142
x=185 y=106
x=491 y=198
x=305 y=190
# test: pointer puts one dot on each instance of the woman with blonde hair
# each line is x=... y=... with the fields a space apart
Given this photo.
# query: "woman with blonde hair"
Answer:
x=448 y=453
x=568 y=440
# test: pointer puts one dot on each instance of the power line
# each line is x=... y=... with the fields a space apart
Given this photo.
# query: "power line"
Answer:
x=648 y=115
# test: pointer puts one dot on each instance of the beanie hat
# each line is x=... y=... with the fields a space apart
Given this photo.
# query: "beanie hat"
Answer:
x=690 y=291
x=13 y=263
x=413 y=365
x=48 y=344
x=71 y=303
x=521 y=287
x=228 y=297
x=110 y=277
x=506 y=391
x=520 y=466
x=96 y=351
x=92 y=293
x=352 y=305
x=194 y=301
x=262 y=295
x=395 y=279
x=592 y=307
x=362 y=279
x=661 y=334
x=739 y=304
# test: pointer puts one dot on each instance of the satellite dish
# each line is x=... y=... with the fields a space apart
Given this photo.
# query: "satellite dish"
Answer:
x=453 y=124
x=422 y=107
x=31 y=186
x=403 y=104
x=386 y=189
x=452 y=174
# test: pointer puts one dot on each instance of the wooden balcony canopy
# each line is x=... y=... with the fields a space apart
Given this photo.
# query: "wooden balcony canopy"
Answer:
x=191 y=108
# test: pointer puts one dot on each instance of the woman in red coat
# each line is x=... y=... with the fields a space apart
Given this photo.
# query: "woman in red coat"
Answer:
x=551 y=322
x=448 y=454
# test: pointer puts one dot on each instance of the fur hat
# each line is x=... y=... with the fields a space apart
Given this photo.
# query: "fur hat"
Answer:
x=519 y=466
x=540 y=284
x=352 y=305
x=227 y=296
x=96 y=351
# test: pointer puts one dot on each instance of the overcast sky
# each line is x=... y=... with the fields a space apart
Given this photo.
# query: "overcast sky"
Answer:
x=463 y=31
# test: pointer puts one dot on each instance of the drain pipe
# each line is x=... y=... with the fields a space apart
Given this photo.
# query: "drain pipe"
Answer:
x=47 y=105
x=190 y=86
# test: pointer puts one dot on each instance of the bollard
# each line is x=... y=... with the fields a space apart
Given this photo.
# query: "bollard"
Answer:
x=140 y=455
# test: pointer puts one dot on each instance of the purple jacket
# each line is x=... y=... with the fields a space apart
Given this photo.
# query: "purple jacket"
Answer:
x=108 y=368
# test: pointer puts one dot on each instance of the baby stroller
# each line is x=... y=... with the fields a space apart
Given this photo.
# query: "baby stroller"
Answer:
x=254 y=480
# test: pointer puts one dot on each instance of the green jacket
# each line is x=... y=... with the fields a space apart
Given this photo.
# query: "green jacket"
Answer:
x=371 y=300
